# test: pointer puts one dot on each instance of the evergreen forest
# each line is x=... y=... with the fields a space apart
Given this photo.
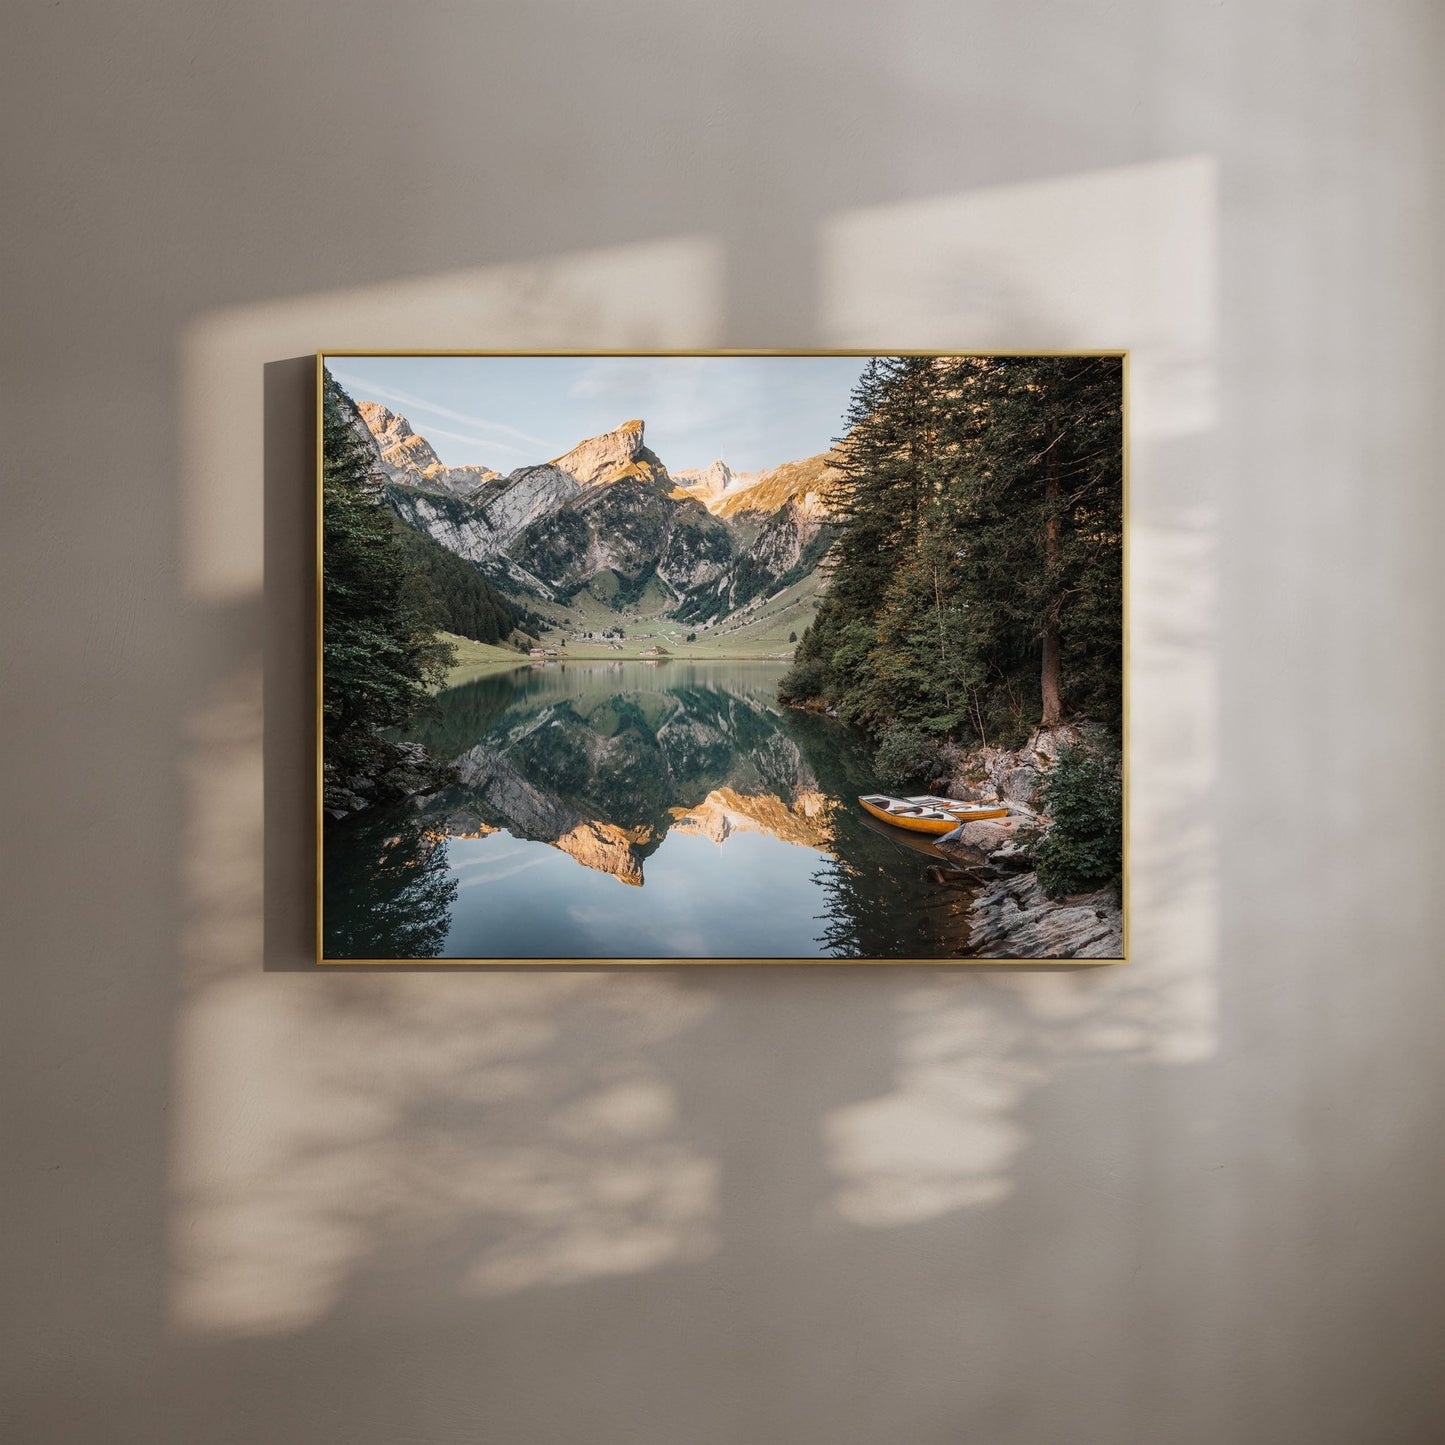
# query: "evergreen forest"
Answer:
x=976 y=586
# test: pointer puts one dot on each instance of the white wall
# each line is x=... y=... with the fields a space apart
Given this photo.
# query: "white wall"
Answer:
x=1196 y=1200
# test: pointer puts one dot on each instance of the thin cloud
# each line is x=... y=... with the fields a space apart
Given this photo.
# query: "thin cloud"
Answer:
x=421 y=404
x=486 y=443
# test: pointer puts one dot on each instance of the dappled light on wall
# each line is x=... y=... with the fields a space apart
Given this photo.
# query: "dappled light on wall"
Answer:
x=970 y=1052
x=325 y=1126
x=477 y=1134
x=625 y=1196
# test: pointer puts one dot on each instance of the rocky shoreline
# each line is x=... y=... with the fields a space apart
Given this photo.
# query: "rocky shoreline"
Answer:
x=1010 y=917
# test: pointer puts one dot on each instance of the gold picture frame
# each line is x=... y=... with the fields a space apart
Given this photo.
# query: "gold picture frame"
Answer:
x=618 y=959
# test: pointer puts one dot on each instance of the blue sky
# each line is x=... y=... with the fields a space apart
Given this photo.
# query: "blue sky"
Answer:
x=754 y=412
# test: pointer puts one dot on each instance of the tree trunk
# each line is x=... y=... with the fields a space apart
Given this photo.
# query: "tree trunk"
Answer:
x=938 y=613
x=1049 y=677
x=1053 y=707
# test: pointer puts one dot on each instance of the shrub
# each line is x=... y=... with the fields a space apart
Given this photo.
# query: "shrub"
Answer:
x=906 y=758
x=808 y=680
x=1084 y=848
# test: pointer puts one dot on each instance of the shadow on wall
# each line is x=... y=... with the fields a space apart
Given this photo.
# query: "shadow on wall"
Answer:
x=882 y=1190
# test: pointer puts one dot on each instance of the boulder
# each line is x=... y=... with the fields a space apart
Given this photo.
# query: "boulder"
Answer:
x=990 y=841
x=1013 y=857
x=965 y=792
x=985 y=836
x=988 y=834
x=1020 y=784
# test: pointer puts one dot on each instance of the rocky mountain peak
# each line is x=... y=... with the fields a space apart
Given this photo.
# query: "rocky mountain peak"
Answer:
x=410 y=459
x=383 y=423
x=801 y=485
x=706 y=482
x=399 y=444
x=606 y=458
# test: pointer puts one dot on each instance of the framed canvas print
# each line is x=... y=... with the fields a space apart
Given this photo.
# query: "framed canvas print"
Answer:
x=724 y=657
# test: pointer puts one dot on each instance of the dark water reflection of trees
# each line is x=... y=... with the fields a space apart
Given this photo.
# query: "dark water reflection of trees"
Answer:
x=388 y=893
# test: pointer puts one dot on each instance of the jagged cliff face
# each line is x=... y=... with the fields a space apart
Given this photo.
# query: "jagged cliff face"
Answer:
x=400 y=447
x=612 y=457
x=410 y=460
x=608 y=516
x=787 y=545
x=800 y=483
x=623 y=527
x=483 y=527
x=714 y=482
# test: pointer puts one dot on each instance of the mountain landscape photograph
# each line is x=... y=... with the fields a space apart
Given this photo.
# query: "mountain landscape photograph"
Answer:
x=739 y=657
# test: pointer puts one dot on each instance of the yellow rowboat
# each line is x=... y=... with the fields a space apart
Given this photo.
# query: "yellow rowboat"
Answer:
x=926 y=814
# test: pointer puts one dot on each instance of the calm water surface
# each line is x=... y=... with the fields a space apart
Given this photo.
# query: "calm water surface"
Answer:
x=635 y=810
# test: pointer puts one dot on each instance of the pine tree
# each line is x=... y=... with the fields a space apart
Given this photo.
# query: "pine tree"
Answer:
x=380 y=650
x=880 y=484
x=1043 y=531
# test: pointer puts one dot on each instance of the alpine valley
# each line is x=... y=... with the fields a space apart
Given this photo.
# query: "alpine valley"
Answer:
x=605 y=535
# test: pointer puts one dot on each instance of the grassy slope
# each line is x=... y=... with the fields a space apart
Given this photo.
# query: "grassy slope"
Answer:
x=757 y=631
x=476 y=659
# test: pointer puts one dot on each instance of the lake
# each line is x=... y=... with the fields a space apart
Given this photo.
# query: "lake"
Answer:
x=635 y=810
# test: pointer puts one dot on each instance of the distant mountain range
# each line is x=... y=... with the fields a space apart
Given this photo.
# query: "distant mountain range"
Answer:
x=609 y=519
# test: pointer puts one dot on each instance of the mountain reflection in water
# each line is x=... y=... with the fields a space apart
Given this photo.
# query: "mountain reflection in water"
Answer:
x=732 y=821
